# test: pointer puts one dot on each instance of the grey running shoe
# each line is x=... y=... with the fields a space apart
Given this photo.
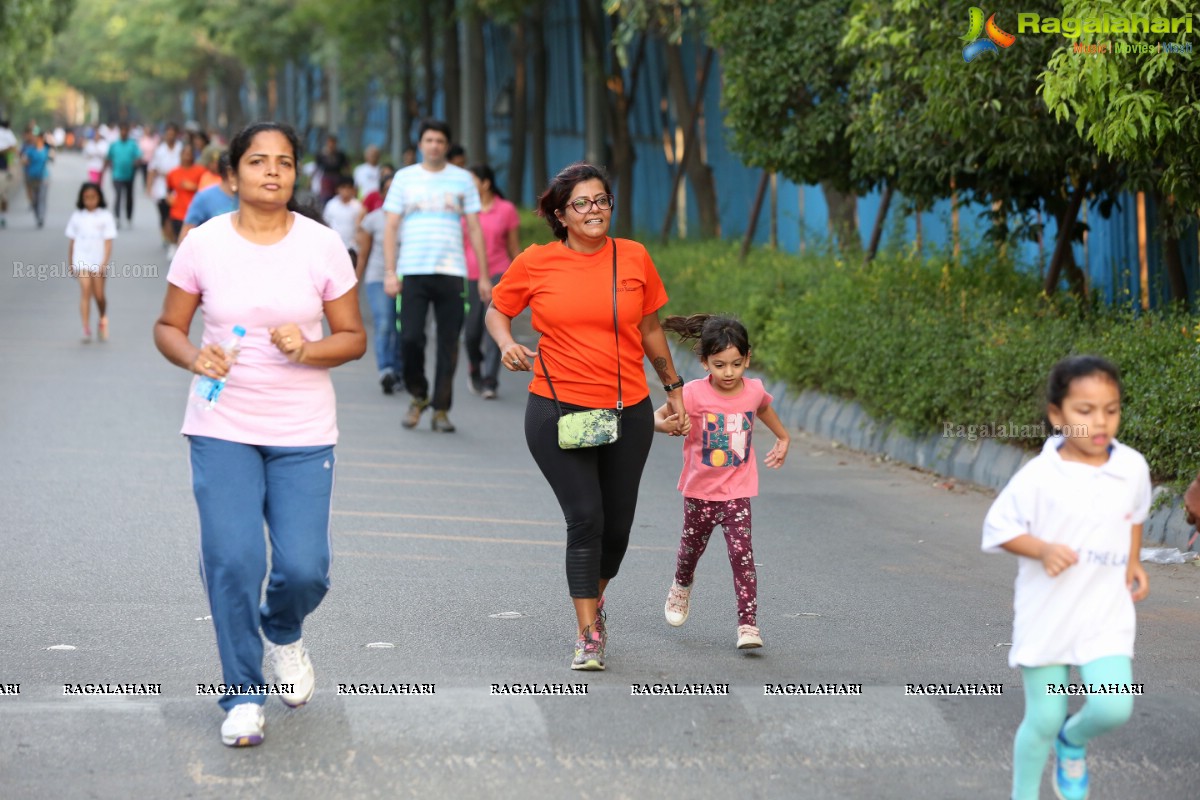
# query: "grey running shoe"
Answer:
x=589 y=651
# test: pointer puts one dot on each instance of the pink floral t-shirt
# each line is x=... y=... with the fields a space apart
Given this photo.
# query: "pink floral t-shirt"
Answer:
x=267 y=400
x=718 y=454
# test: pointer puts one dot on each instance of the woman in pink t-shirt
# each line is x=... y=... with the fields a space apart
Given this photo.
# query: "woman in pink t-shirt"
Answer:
x=719 y=471
x=499 y=221
x=265 y=449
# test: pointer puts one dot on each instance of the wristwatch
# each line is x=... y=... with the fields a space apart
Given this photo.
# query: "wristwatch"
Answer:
x=670 y=387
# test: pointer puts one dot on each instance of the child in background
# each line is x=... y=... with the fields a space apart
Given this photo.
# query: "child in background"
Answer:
x=91 y=231
x=342 y=213
x=1073 y=515
x=719 y=471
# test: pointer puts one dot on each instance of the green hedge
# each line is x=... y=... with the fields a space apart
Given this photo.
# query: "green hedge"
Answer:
x=926 y=342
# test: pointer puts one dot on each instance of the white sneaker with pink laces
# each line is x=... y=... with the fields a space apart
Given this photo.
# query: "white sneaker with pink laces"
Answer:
x=748 y=637
x=676 y=608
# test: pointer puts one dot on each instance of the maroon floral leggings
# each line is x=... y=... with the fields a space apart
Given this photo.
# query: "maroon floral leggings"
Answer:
x=699 y=519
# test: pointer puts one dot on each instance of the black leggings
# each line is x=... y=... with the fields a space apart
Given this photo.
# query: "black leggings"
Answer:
x=124 y=191
x=596 y=487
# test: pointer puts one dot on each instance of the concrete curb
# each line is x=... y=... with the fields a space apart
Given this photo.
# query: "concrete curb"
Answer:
x=986 y=462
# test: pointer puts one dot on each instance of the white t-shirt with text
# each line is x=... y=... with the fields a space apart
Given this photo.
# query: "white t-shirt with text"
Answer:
x=1086 y=611
x=89 y=230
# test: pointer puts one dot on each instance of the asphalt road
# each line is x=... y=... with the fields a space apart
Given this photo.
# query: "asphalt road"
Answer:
x=870 y=573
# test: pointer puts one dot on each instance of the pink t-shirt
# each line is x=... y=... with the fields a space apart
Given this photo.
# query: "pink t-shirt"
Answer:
x=267 y=400
x=718 y=457
x=496 y=222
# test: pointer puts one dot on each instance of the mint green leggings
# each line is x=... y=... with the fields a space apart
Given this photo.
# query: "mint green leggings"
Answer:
x=1045 y=712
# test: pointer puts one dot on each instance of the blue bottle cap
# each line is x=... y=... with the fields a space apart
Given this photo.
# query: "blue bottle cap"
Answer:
x=238 y=330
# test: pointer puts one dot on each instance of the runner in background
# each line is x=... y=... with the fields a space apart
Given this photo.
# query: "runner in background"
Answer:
x=122 y=158
x=8 y=153
x=213 y=201
x=182 y=183
x=366 y=175
x=165 y=159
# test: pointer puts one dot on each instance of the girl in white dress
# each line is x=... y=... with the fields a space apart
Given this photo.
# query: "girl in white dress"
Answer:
x=91 y=231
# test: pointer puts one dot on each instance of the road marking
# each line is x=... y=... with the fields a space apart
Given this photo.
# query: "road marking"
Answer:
x=484 y=539
x=431 y=467
x=496 y=520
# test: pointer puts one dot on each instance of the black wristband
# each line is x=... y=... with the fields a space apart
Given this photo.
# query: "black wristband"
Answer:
x=670 y=387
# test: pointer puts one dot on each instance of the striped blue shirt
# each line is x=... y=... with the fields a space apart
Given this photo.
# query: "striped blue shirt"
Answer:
x=432 y=205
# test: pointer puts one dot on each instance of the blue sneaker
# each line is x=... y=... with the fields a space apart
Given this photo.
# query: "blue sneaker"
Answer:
x=1070 y=771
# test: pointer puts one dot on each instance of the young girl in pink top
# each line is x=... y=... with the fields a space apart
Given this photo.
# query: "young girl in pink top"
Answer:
x=719 y=471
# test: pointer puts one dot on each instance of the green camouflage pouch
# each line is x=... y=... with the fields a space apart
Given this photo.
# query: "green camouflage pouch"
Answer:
x=593 y=428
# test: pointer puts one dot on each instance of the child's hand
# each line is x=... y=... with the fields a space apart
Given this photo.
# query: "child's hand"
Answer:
x=1135 y=574
x=667 y=423
x=1057 y=557
x=778 y=454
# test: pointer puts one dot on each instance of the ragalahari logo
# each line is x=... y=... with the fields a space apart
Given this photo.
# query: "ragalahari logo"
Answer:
x=977 y=44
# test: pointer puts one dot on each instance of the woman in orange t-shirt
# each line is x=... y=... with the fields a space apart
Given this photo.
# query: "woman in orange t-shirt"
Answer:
x=569 y=287
x=182 y=184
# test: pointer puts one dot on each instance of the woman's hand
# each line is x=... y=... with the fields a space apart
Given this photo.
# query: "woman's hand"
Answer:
x=391 y=284
x=290 y=341
x=517 y=357
x=212 y=362
x=675 y=409
x=1135 y=575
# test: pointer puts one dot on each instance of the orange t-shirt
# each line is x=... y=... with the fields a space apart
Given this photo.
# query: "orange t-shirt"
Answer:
x=209 y=178
x=570 y=296
x=183 y=197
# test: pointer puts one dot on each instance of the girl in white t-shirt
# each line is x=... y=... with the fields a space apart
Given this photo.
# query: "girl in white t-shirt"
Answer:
x=1073 y=515
x=720 y=473
x=91 y=231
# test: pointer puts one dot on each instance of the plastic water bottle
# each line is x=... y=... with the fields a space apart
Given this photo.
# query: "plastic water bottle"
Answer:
x=209 y=389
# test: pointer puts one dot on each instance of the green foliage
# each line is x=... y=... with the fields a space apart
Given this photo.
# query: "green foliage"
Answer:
x=924 y=343
x=665 y=19
x=785 y=86
x=1139 y=108
x=26 y=29
x=923 y=117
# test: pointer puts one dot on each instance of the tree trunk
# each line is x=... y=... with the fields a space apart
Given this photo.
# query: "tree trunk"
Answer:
x=843 y=219
x=518 y=130
x=755 y=212
x=428 y=84
x=699 y=174
x=474 y=91
x=451 y=69
x=595 y=102
x=1167 y=212
x=537 y=117
x=880 y=218
x=1062 y=247
x=272 y=93
x=624 y=154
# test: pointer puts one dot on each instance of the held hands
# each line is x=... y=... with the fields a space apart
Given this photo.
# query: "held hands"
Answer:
x=676 y=420
x=1057 y=557
x=290 y=341
x=778 y=454
x=1135 y=574
x=515 y=357
x=212 y=362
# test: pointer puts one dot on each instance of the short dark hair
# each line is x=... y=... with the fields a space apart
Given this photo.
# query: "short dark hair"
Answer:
x=484 y=173
x=1072 y=368
x=345 y=180
x=224 y=169
x=713 y=332
x=455 y=151
x=441 y=126
x=559 y=192
x=89 y=185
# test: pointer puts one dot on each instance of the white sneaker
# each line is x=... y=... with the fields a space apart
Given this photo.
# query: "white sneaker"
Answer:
x=676 y=608
x=291 y=665
x=749 y=637
x=243 y=725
